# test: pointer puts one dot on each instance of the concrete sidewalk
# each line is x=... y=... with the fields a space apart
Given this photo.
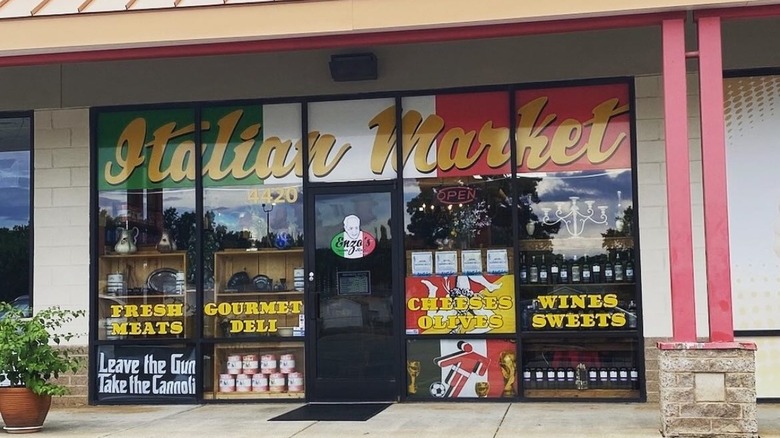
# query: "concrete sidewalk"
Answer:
x=473 y=420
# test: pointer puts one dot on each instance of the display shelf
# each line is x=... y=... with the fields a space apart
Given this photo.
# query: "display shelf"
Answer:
x=541 y=335
x=283 y=293
x=597 y=243
x=144 y=254
x=135 y=270
x=276 y=361
x=253 y=395
x=585 y=393
x=275 y=264
x=593 y=285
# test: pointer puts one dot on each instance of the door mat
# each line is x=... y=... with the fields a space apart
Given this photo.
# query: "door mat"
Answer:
x=333 y=412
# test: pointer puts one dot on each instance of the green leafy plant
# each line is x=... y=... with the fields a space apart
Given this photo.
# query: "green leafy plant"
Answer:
x=29 y=352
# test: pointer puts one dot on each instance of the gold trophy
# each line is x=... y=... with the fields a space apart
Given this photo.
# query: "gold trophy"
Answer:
x=482 y=389
x=509 y=370
x=413 y=368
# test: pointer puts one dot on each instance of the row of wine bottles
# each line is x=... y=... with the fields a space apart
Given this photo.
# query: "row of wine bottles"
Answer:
x=597 y=269
x=571 y=378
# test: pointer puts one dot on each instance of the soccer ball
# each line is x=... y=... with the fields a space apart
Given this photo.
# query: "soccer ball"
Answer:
x=438 y=389
x=283 y=241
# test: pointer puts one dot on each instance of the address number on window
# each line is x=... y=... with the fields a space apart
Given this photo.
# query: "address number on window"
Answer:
x=273 y=195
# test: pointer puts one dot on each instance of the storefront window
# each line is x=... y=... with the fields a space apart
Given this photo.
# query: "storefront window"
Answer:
x=352 y=140
x=458 y=242
x=15 y=211
x=519 y=274
x=146 y=225
x=461 y=368
x=253 y=252
x=576 y=222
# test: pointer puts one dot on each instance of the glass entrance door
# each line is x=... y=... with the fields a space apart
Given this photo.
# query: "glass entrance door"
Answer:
x=352 y=289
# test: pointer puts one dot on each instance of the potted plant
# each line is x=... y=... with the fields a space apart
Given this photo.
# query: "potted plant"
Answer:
x=30 y=359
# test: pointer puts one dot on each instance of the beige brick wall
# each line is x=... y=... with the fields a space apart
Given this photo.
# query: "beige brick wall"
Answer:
x=61 y=213
x=78 y=382
x=653 y=222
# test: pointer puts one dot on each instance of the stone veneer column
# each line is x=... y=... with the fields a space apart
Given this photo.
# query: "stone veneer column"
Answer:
x=708 y=389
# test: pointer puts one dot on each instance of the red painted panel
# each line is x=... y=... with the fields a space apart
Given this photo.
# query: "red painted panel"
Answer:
x=678 y=187
x=765 y=11
x=716 y=225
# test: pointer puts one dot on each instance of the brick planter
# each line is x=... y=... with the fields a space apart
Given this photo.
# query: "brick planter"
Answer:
x=708 y=389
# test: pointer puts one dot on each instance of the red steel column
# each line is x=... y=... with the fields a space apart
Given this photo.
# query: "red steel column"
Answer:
x=678 y=181
x=713 y=160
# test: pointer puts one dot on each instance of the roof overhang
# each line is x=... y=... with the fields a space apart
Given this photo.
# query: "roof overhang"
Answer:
x=300 y=25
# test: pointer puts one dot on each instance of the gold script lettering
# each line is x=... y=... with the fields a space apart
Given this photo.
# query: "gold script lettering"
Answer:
x=131 y=141
x=321 y=147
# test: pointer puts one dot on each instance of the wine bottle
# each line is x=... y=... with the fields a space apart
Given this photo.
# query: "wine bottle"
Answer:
x=609 y=273
x=613 y=377
x=523 y=271
x=603 y=377
x=632 y=316
x=527 y=378
x=629 y=269
x=533 y=271
x=570 y=377
x=539 y=377
x=618 y=267
x=550 y=380
x=576 y=273
x=554 y=271
x=544 y=274
x=586 y=277
x=564 y=275
x=596 y=270
x=593 y=377
x=560 y=378
x=623 y=377
x=634 y=376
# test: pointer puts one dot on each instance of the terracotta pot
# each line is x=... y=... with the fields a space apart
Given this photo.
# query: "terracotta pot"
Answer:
x=23 y=411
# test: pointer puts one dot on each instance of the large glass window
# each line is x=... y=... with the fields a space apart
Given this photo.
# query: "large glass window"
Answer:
x=519 y=265
x=458 y=242
x=253 y=252
x=15 y=211
x=576 y=233
x=146 y=225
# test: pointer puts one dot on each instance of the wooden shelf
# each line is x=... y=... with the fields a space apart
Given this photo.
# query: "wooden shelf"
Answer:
x=143 y=297
x=264 y=251
x=585 y=393
x=253 y=395
x=145 y=254
x=551 y=285
x=263 y=293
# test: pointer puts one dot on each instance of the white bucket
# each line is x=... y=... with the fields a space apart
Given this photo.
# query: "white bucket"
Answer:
x=180 y=285
x=234 y=364
x=250 y=363
x=295 y=382
x=227 y=383
x=287 y=363
x=115 y=284
x=243 y=383
x=277 y=383
x=268 y=364
x=260 y=383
